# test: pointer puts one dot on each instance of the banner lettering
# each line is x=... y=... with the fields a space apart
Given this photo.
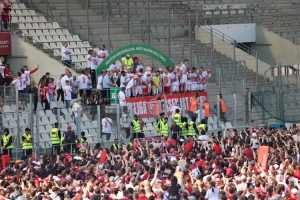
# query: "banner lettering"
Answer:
x=148 y=106
x=263 y=156
x=5 y=44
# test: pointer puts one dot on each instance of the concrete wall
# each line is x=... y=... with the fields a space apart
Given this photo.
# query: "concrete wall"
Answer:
x=24 y=53
x=278 y=48
x=227 y=49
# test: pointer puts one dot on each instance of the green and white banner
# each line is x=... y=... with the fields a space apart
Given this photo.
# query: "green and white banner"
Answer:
x=134 y=49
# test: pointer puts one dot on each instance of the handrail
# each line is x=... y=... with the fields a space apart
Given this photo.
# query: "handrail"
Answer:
x=241 y=46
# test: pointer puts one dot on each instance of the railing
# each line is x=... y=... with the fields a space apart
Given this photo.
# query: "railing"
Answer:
x=241 y=46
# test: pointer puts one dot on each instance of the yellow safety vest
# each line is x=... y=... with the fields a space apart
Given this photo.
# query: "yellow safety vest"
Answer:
x=130 y=144
x=128 y=63
x=156 y=82
x=54 y=136
x=164 y=129
x=26 y=145
x=177 y=119
x=191 y=130
x=158 y=122
x=5 y=139
x=183 y=129
x=136 y=126
x=203 y=126
x=117 y=146
x=61 y=144
x=81 y=140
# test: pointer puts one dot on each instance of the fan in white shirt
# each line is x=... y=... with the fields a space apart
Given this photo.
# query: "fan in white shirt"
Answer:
x=89 y=63
x=122 y=98
x=64 y=79
x=106 y=127
x=19 y=82
x=95 y=61
x=102 y=54
x=67 y=92
x=2 y=66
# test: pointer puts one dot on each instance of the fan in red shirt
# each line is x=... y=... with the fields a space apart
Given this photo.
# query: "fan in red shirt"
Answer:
x=189 y=146
x=217 y=148
x=68 y=157
x=248 y=152
x=297 y=173
x=8 y=74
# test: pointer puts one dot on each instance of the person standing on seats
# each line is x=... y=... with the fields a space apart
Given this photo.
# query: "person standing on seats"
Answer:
x=26 y=142
x=55 y=136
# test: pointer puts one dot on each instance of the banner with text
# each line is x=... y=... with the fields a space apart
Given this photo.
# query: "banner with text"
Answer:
x=134 y=49
x=5 y=43
x=148 y=106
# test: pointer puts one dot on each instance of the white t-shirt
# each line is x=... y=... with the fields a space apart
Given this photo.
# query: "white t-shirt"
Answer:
x=2 y=69
x=83 y=82
x=63 y=55
x=121 y=97
x=94 y=62
x=114 y=67
x=167 y=80
x=210 y=195
x=58 y=84
x=28 y=77
x=174 y=76
x=89 y=63
x=100 y=83
x=138 y=67
x=102 y=53
x=204 y=74
x=183 y=68
x=24 y=79
x=67 y=92
x=254 y=143
x=127 y=116
x=122 y=81
x=106 y=125
x=71 y=81
x=63 y=81
x=203 y=137
x=18 y=83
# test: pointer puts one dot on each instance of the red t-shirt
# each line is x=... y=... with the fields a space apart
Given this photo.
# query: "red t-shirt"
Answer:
x=69 y=157
x=217 y=149
x=103 y=157
x=249 y=154
x=188 y=147
x=200 y=163
x=297 y=174
x=142 y=197
x=7 y=73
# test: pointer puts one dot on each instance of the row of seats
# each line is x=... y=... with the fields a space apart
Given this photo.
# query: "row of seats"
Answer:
x=29 y=19
x=58 y=45
x=18 y=6
x=22 y=12
x=30 y=26
x=56 y=38
x=81 y=65
x=46 y=32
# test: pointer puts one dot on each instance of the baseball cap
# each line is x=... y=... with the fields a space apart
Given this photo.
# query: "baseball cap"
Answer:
x=69 y=127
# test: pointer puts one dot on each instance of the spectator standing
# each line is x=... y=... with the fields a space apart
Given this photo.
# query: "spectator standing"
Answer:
x=19 y=81
x=5 y=11
x=82 y=85
x=100 y=83
x=223 y=109
x=67 y=94
x=59 y=91
x=213 y=192
x=155 y=83
x=55 y=136
x=51 y=88
x=69 y=139
x=35 y=94
x=8 y=78
x=27 y=72
x=89 y=63
x=75 y=88
x=122 y=99
x=94 y=65
x=106 y=127
x=65 y=54
x=46 y=96
x=175 y=107
x=126 y=122
x=7 y=143
x=76 y=106
x=183 y=80
x=206 y=108
x=107 y=84
x=102 y=54
x=175 y=131
x=26 y=142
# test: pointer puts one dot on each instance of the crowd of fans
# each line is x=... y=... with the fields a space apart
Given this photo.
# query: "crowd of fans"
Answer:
x=200 y=167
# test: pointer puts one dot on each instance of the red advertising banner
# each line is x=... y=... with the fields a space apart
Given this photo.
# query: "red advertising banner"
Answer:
x=263 y=156
x=148 y=106
x=5 y=43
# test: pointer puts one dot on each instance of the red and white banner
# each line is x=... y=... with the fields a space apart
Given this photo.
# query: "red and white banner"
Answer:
x=5 y=43
x=148 y=106
x=263 y=156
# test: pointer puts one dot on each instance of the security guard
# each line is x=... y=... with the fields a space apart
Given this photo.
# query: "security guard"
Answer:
x=206 y=107
x=115 y=146
x=136 y=128
x=177 y=117
x=163 y=128
x=202 y=126
x=184 y=127
x=128 y=62
x=192 y=128
x=55 y=136
x=130 y=144
x=159 y=119
x=7 y=143
x=26 y=142
x=83 y=146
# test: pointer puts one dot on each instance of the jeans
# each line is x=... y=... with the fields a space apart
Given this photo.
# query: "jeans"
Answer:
x=68 y=103
x=5 y=24
x=51 y=97
x=66 y=63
